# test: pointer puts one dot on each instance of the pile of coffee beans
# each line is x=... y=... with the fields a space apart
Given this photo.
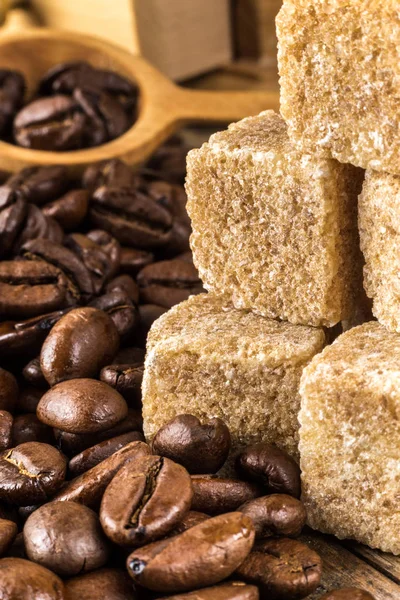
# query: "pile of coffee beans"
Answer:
x=75 y=106
x=88 y=509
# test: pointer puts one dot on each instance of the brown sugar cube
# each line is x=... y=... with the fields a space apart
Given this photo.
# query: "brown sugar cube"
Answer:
x=211 y=361
x=350 y=437
x=340 y=75
x=274 y=230
x=379 y=223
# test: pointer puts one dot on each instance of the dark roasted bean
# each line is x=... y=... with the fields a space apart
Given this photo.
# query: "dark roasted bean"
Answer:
x=200 y=448
x=133 y=260
x=234 y=590
x=272 y=467
x=168 y=282
x=214 y=495
x=121 y=310
x=191 y=519
x=38 y=185
x=33 y=374
x=69 y=210
x=38 y=225
x=148 y=313
x=110 y=173
x=204 y=555
x=8 y=390
x=114 y=584
x=12 y=219
x=6 y=422
x=277 y=514
x=28 y=399
x=8 y=532
x=28 y=428
x=12 y=89
x=126 y=283
x=21 y=579
x=348 y=594
x=127 y=380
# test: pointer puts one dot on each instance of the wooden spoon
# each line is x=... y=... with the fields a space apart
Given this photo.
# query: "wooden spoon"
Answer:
x=164 y=107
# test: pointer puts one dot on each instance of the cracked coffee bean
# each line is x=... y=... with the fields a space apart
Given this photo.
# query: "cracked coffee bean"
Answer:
x=277 y=514
x=67 y=538
x=145 y=501
x=168 y=282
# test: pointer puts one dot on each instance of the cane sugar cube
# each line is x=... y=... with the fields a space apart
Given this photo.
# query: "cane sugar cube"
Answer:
x=379 y=222
x=212 y=361
x=340 y=79
x=274 y=230
x=350 y=437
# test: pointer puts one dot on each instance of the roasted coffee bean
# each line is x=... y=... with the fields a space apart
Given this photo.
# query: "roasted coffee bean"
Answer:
x=8 y=532
x=12 y=219
x=8 y=390
x=202 y=556
x=200 y=448
x=169 y=162
x=66 y=537
x=73 y=443
x=79 y=345
x=94 y=257
x=31 y=473
x=24 y=580
x=348 y=594
x=17 y=548
x=28 y=399
x=37 y=185
x=110 y=246
x=282 y=568
x=82 y=406
x=133 y=260
x=33 y=374
x=121 y=310
x=214 y=495
x=173 y=197
x=6 y=423
x=145 y=501
x=272 y=467
x=89 y=487
x=148 y=313
x=80 y=285
x=114 y=584
x=37 y=225
x=126 y=283
x=110 y=173
x=28 y=428
x=130 y=216
x=191 y=519
x=28 y=289
x=127 y=380
x=89 y=458
x=168 y=282
x=69 y=210
x=277 y=514
x=12 y=89
x=234 y=590
x=106 y=116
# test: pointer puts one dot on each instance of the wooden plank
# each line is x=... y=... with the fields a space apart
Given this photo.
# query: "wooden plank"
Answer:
x=342 y=568
x=384 y=562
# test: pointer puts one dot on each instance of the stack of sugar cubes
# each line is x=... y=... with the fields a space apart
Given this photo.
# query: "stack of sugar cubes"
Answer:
x=281 y=208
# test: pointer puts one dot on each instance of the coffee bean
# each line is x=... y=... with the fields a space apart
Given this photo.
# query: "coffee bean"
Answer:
x=24 y=580
x=234 y=590
x=12 y=89
x=133 y=260
x=148 y=313
x=202 y=556
x=31 y=473
x=272 y=467
x=8 y=531
x=38 y=185
x=28 y=399
x=65 y=537
x=348 y=594
x=89 y=487
x=82 y=406
x=37 y=225
x=114 y=584
x=110 y=173
x=214 y=495
x=79 y=345
x=8 y=390
x=105 y=115
x=126 y=283
x=110 y=246
x=282 y=568
x=69 y=210
x=127 y=380
x=200 y=448
x=17 y=548
x=6 y=422
x=96 y=454
x=28 y=289
x=28 y=428
x=169 y=161
x=145 y=501
x=12 y=219
x=191 y=519
x=277 y=514
x=168 y=282
x=33 y=374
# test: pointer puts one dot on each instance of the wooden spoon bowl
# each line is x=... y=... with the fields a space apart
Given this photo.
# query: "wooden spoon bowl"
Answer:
x=163 y=106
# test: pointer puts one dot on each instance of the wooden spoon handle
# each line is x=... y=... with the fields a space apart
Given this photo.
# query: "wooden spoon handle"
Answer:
x=17 y=19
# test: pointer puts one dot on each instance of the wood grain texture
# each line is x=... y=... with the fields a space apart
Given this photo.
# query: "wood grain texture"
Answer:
x=387 y=564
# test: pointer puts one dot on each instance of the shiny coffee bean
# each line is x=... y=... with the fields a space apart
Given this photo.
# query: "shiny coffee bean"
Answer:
x=37 y=225
x=6 y=422
x=234 y=590
x=28 y=289
x=126 y=283
x=168 y=282
x=94 y=257
x=122 y=311
x=114 y=584
x=200 y=448
x=73 y=443
x=69 y=210
x=38 y=185
x=348 y=594
x=110 y=173
x=66 y=537
x=133 y=260
x=148 y=313
x=33 y=374
x=272 y=467
x=79 y=345
x=96 y=454
x=8 y=390
x=106 y=118
x=12 y=219
x=28 y=428
x=89 y=487
x=145 y=501
x=21 y=579
x=8 y=532
x=82 y=406
x=277 y=514
x=191 y=519
x=127 y=380
x=110 y=246
x=202 y=556
x=215 y=495
x=282 y=568
x=31 y=473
